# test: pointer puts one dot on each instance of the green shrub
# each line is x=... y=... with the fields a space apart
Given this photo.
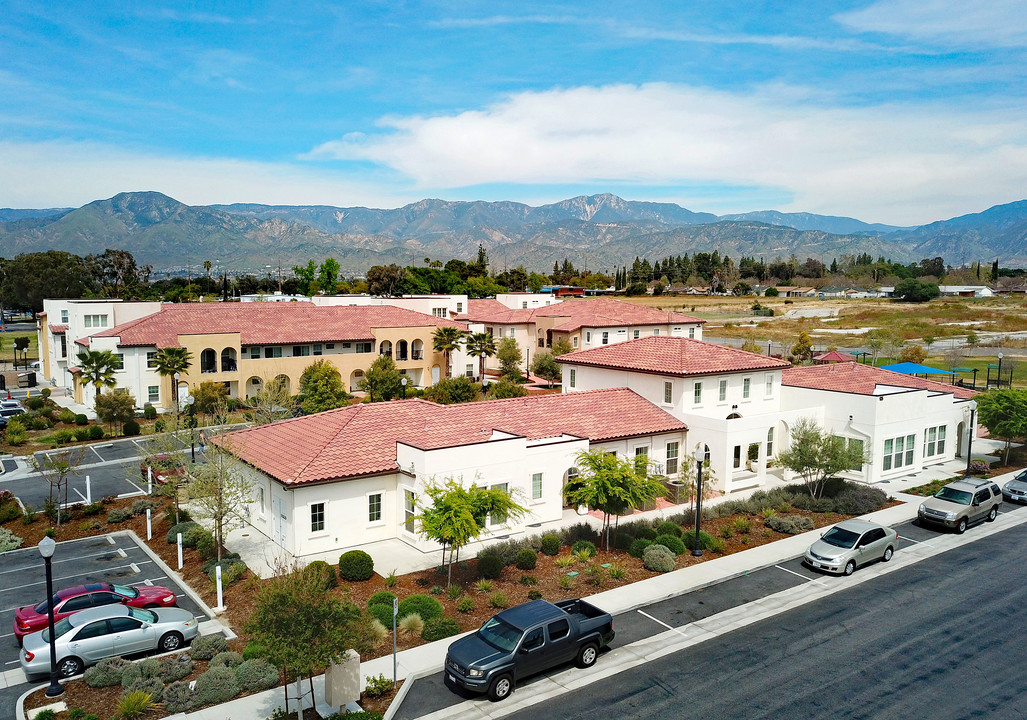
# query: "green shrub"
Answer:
x=617 y=572
x=671 y=542
x=505 y=551
x=438 y=628
x=228 y=658
x=742 y=525
x=195 y=535
x=322 y=573
x=550 y=545
x=144 y=670
x=81 y=419
x=705 y=539
x=76 y=713
x=16 y=435
x=454 y=591
x=175 y=667
x=205 y=546
x=96 y=432
x=169 y=518
x=527 y=559
x=177 y=697
x=437 y=590
x=356 y=566
x=382 y=597
x=217 y=685
x=465 y=605
x=362 y=714
x=82 y=434
x=669 y=528
x=638 y=547
x=37 y=423
x=499 y=600
x=379 y=686
x=67 y=416
x=789 y=524
x=106 y=673
x=46 y=715
x=381 y=612
x=34 y=403
x=159 y=426
x=658 y=558
x=62 y=437
x=253 y=650
x=566 y=582
x=134 y=704
x=256 y=675
x=718 y=545
x=584 y=546
x=528 y=580
x=232 y=570
x=139 y=507
x=424 y=605
x=534 y=595
x=622 y=541
x=119 y=515
x=490 y=567
x=150 y=412
x=130 y=428
x=860 y=500
x=207 y=646
x=412 y=624
x=152 y=687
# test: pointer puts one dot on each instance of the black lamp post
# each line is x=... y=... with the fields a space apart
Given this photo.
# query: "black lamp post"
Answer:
x=971 y=431
x=403 y=381
x=47 y=546
x=700 y=456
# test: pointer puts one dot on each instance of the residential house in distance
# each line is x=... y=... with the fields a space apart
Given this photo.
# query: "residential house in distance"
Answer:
x=730 y=399
x=356 y=475
x=244 y=345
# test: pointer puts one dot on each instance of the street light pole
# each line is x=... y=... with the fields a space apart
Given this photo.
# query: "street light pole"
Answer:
x=971 y=431
x=47 y=546
x=699 y=455
x=403 y=381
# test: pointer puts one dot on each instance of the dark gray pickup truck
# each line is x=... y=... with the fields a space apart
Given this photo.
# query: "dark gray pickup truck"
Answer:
x=526 y=640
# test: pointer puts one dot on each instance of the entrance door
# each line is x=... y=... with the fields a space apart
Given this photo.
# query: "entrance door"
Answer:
x=278 y=521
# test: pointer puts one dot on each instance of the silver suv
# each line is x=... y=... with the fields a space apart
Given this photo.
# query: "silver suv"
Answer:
x=962 y=502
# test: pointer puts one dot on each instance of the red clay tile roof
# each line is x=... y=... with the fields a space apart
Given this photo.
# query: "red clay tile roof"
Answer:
x=666 y=355
x=58 y=329
x=361 y=439
x=594 y=312
x=272 y=323
x=834 y=356
x=862 y=379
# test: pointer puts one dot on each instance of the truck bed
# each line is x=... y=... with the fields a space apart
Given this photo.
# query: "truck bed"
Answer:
x=590 y=618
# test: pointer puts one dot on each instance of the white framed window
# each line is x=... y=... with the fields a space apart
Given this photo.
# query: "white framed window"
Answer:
x=439 y=312
x=634 y=334
x=668 y=393
x=499 y=518
x=153 y=393
x=119 y=361
x=746 y=388
x=64 y=317
x=572 y=377
x=151 y=359
x=606 y=338
x=469 y=370
x=511 y=333
x=697 y=394
x=642 y=459
x=364 y=347
x=317 y=517
x=459 y=307
x=574 y=341
x=273 y=351
x=934 y=441
x=770 y=443
x=374 y=507
x=409 y=509
x=768 y=386
x=260 y=501
x=95 y=321
x=672 y=458
x=588 y=336
x=691 y=333
x=255 y=352
x=524 y=305
x=898 y=452
x=301 y=351
x=656 y=331
x=536 y=486
x=722 y=391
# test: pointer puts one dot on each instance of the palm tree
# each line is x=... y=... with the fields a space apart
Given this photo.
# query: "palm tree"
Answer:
x=445 y=340
x=481 y=345
x=98 y=368
x=171 y=361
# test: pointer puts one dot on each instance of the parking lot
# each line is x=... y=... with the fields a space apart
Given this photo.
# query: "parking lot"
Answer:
x=113 y=558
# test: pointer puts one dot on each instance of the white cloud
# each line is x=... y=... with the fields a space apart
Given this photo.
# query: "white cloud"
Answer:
x=895 y=163
x=994 y=23
x=68 y=174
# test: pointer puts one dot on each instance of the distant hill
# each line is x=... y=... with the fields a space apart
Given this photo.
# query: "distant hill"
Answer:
x=596 y=231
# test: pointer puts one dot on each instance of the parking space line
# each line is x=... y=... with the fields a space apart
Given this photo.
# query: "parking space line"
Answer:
x=122 y=553
x=55 y=562
x=660 y=622
x=97 y=453
x=804 y=577
x=903 y=537
x=79 y=494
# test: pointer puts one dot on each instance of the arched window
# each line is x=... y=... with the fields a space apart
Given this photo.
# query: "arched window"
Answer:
x=209 y=361
x=385 y=348
x=228 y=363
x=401 y=351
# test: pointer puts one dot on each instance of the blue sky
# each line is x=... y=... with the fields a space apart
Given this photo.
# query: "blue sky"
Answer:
x=896 y=111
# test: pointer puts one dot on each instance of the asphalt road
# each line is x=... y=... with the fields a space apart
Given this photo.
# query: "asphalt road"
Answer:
x=940 y=639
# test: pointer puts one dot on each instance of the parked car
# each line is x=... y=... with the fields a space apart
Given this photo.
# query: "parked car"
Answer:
x=164 y=467
x=30 y=619
x=961 y=503
x=89 y=636
x=1016 y=489
x=525 y=640
x=9 y=404
x=851 y=543
x=9 y=412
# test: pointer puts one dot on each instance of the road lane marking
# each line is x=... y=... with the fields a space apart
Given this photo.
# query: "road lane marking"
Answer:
x=660 y=622
x=804 y=577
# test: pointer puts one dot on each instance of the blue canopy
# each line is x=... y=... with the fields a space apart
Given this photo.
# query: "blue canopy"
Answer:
x=908 y=368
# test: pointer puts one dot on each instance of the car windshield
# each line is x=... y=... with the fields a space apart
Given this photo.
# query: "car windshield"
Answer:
x=144 y=615
x=129 y=592
x=961 y=497
x=840 y=537
x=44 y=606
x=500 y=635
x=59 y=629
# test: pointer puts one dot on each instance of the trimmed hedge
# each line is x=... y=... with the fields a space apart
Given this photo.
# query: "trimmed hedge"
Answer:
x=217 y=685
x=658 y=558
x=106 y=673
x=383 y=613
x=419 y=604
x=438 y=628
x=669 y=528
x=490 y=567
x=584 y=546
x=356 y=566
x=671 y=542
x=550 y=545
x=382 y=597
x=638 y=547
x=177 y=697
x=207 y=646
x=705 y=539
x=257 y=674
x=323 y=573
x=527 y=559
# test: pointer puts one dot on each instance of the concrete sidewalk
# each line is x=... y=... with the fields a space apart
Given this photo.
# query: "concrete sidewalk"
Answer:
x=429 y=658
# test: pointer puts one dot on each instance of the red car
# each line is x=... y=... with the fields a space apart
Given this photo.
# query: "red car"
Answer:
x=31 y=619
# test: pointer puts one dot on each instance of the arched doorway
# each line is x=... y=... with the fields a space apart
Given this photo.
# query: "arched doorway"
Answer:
x=401 y=351
x=228 y=363
x=354 y=380
x=961 y=438
x=282 y=381
x=253 y=387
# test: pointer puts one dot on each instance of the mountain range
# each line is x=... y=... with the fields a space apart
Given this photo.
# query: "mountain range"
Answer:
x=598 y=232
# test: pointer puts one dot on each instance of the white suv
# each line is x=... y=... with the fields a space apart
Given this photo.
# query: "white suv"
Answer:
x=962 y=502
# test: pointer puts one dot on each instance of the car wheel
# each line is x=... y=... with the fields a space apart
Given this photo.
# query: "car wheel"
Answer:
x=170 y=641
x=888 y=552
x=993 y=513
x=69 y=667
x=587 y=655
x=500 y=688
x=961 y=526
x=850 y=567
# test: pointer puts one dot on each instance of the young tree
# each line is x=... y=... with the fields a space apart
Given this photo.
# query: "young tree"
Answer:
x=562 y=346
x=172 y=360
x=271 y=403
x=505 y=388
x=458 y=515
x=207 y=396
x=481 y=345
x=321 y=387
x=509 y=355
x=57 y=468
x=874 y=340
x=98 y=368
x=445 y=340
x=170 y=447
x=817 y=455
x=913 y=354
x=802 y=351
x=328 y=276
x=610 y=484
x=451 y=391
x=382 y=380
x=115 y=409
x=751 y=346
x=1004 y=413
x=220 y=491
x=544 y=365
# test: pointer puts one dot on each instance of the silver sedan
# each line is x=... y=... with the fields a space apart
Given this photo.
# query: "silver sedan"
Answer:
x=89 y=636
x=851 y=543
